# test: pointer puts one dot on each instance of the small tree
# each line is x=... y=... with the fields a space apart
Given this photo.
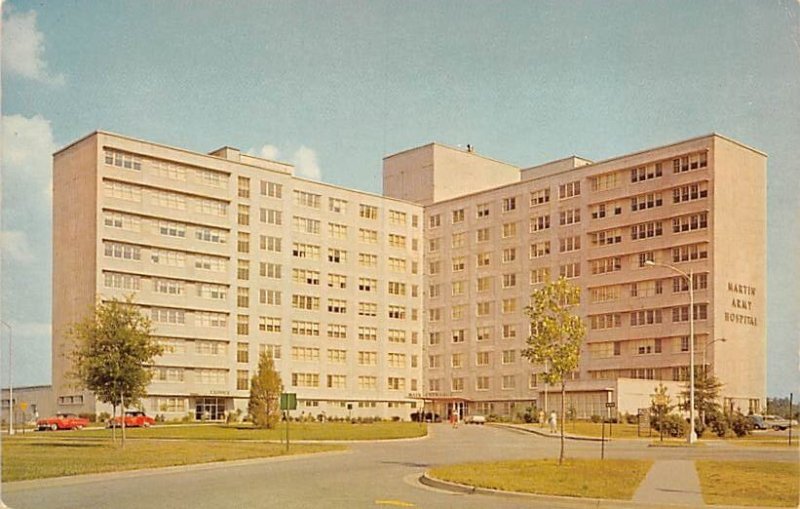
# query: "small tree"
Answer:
x=265 y=392
x=556 y=336
x=112 y=354
x=660 y=406
x=706 y=397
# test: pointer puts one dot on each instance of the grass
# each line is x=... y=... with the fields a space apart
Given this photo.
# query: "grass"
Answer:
x=34 y=458
x=749 y=483
x=615 y=479
x=591 y=429
x=297 y=431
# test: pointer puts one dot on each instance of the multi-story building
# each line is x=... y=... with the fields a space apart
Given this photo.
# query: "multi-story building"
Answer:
x=231 y=255
x=494 y=233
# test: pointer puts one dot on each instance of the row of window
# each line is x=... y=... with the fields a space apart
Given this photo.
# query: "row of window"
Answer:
x=457 y=360
x=482 y=333
x=166 y=199
x=646 y=317
x=481 y=383
x=363 y=382
x=167 y=169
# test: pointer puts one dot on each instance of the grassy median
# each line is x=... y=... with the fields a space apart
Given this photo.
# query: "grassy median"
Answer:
x=34 y=458
x=749 y=483
x=615 y=479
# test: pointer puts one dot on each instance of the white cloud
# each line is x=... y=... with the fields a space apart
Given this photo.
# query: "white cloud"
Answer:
x=16 y=247
x=306 y=165
x=23 y=48
x=27 y=149
x=270 y=152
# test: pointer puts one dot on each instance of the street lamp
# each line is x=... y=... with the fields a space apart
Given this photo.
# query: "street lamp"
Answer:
x=10 y=383
x=706 y=349
x=692 y=434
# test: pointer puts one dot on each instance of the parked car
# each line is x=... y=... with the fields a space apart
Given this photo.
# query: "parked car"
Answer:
x=475 y=419
x=779 y=423
x=133 y=419
x=426 y=417
x=62 y=421
x=757 y=421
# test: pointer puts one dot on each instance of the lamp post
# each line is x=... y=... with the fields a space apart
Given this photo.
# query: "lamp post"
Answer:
x=2 y=505
x=706 y=349
x=692 y=433
x=10 y=383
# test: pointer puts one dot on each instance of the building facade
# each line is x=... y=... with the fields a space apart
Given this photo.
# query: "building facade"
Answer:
x=232 y=256
x=372 y=304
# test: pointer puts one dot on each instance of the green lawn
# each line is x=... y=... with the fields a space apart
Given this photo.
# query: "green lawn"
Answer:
x=34 y=458
x=753 y=483
x=297 y=431
x=591 y=429
x=616 y=479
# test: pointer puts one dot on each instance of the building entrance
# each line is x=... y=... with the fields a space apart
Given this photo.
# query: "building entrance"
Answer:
x=209 y=409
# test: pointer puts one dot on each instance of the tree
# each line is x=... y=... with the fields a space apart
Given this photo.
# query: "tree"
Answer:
x=706 y=397
x=556 y=336
x=660 y=406
x=113 y=351
x=265 y=392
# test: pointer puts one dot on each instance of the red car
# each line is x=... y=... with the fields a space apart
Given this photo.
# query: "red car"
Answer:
x=62 y=421
x=133 y=419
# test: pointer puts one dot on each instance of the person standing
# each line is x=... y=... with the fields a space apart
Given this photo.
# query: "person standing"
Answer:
x=541 y=418
x=553 y=421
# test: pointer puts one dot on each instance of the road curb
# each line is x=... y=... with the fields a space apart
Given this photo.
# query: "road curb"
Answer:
x=556 y=500
x=546 y=435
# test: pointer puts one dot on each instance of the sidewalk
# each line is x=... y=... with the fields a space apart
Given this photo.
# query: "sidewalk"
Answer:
x=670 y=482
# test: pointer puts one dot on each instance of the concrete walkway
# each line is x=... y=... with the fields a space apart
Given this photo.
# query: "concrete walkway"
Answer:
x=670 y=482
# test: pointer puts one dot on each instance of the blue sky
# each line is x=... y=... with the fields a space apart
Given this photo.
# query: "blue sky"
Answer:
x=334 y=86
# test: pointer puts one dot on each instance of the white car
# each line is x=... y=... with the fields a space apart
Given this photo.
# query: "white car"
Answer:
x=475 y=419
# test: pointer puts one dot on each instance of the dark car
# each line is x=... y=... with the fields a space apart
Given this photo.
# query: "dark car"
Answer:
x=757 y=421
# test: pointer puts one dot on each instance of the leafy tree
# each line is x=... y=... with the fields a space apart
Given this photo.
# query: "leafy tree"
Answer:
x=113 y=349
x=706 y=395
x=556 y=336
x=660 y=407
x=265 y=392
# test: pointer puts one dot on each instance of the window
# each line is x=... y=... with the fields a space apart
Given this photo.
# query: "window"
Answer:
x=243 y=352
x=459 y=263
x=337 y=381
x=690 y=162
x=169 y=286
x=337 y=231
x=605 y=321
x=271 y=244
x=271 y=216
x=305 y=225
x=201 y=205
x=483 y=308
x=646 y=230
x=397 y=312
x=123 y=251
x=397 y=288
x=540 y=275
x=434 y=290
x=337 y=306
x=540 y=249
x=305 y=379
x=690 y=192
x=483 y=259
x=271 y=189
x=337 y=255
x=606 y=181
x=569 y=216
x=457 y=311
x=689 y=253
x=269 y=297
x=368 y=333
x=509 y=230
x=168 y=374
x=645 y=317
x=484 y=333
x=273 y=351
x=122 y=191
x=309 y=251
x=606 y=265
x=210 y=235
x=646 y=201
x=122 y=221
x=367 y=309
x=483 y=210
x=367 y=260
x=305 y=328
x=396 y=360
x=367 y=211
x=646 y=173
x=435 y=221
x=539 y=223
x=305 y=354
x=435 y=338
x=397 y=217
x=242 y=325
x=367 y=358
x=509 y=280
x=457 y=384
x=607 y=237
x=434 y=314
x=337 y=206
x=604 y=294
x=123 y=160
x=337 y=281
x=681 y=313
x=270 y=270
x=458 y=240
x=509 y=305
x=308 y=302
x=396 y=336
x=243 y=187
x=484 y=283
x=212 y=263
x=160 y=257
x=243 y=242
x=269 y=324
x=434 y=244
x=482 y=358
x=209 y=319
x=397 y=240
x=337 y=331
x=569 y=190
x=367 y=284
x=243 y=217
x=681 y=284
x=509 y=254
x=366 y=236
x=458 y=216
x=509 y=204
x=305 y=199
x=482 y=235
x=690 y=223
x=168 y=316
x=569 y=244
x=396 y=384
x=459 y=335
x=509 y=382
x=123 y=281
x=397 y=264
x=539 y=197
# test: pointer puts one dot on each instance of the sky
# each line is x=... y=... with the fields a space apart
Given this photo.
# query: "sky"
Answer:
x=334 y=86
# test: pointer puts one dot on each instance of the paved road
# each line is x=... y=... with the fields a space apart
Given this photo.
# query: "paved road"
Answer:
x=368 y=475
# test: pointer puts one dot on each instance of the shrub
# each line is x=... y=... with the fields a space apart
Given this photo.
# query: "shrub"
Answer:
x=631 y=418
x=673 y=425
x=595 y=418
x=103 y=416
x=740 y=424
x=189 y=417
x=718 y=423
x=396 y=418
